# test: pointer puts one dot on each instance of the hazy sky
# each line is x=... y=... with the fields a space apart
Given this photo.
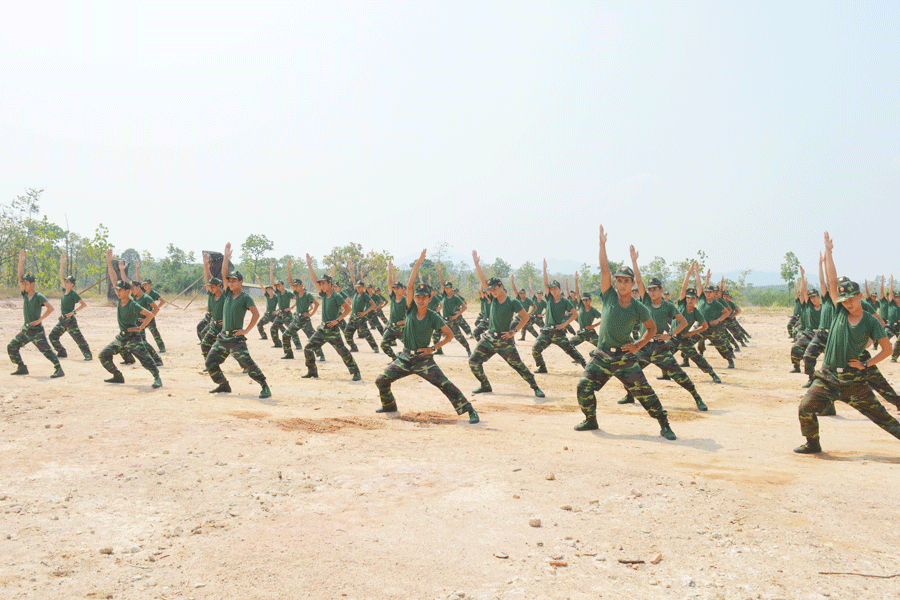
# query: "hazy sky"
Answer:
x=741 y=128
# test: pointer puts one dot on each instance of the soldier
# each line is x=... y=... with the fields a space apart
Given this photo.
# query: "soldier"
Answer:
x=560 y=312
x=204 y=322
x=417 y=356
x=481 y=321
x=307 y=305
x=147 y=286
x=893 y=319
x=795 y=316
x=334 y=308
x=615 y=356
x=500 y=338
x=32 y=331
x=527 y=304
x=283 y=311
x=67 y=320
x=463 y=324
x=453 y=306
x=132 y=319
x=271 y=308
x=216 y=302
x=842 y=376
x=144 y=301
x=731 y=323
x=715 y=312
x=361 y=305
x=394 y=329
x=687 y=306
x=233 y=338
x=536 y=316
x=379 y=300
x=810 y=315
x=819 y=338
x=586 y=318
x=657 y=351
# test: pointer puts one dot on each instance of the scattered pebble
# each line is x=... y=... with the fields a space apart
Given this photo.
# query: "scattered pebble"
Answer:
x=550 y=477
x=566 y=507
x=501 y=554
x=558 y=563
x=161 y=471
x=655 y=560
x=106 y=550
x=535 y=522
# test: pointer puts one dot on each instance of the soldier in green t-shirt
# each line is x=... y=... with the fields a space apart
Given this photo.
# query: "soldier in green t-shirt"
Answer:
x=397 y=320
x=614 y=356
x=560 y=312
x=500 y=337
x=361 y=305
x=32 y=331
x=67 y=321
x=306 y=305
x=334 y=308
x=587 y=321
x=795 y=316
x=810 y=313
x=147 y=286
x=731 y=323
x=283 y=313
x=481 y=321
x=687 y=306
x=216 y=303
x=271 y=308
x=418 y=352
x=843 y=374
x=453 y=306
x=233 y=338
x=373 y=318
x=132 y=319
x=715 y=313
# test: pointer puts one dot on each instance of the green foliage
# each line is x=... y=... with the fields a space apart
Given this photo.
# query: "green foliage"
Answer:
x=173 y=273
x=790 y=268
x=253 y=252
x=371 y=265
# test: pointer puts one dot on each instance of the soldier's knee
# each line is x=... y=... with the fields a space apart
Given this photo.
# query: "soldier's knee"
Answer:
x=585 y=387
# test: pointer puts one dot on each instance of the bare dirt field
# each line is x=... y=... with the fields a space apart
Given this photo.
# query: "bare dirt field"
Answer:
x=121 y=491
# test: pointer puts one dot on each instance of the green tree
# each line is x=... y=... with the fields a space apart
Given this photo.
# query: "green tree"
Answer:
x=501 y=268
x=790 y=268
x=253 y=252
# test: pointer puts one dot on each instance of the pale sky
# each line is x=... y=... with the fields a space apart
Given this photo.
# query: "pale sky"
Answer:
x=741 y=128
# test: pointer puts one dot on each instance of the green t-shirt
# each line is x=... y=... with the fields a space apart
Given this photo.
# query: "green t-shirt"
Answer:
x=871 y=305
x=556 y=311
x=711 y=310
x=526 y=302
x=847 y=342
x=539 y=306
x=417 y=333
x=68 y=302
x=695 y=316
x=284 y=299
x=218 y=306
x=451 y=304
x=796 y=306
x=154 y=295
x=271 y=302
x=360 y=303
x=210 y=300
x=145 y=302
x=485 y=306
x=304 y=302
x=398 y=308
x=435 y=303
x=31 y=308
x=331 y=307
x=827 y=313
x=661 y=315
x=586 y=317
x=884 y=306
x=893 y=314
x=234 y=310
x=128 y=315
x=618 y=321
x=502 y=314
x=809 y=316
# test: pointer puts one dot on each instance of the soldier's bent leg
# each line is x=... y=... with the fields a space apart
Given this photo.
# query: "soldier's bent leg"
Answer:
x=483 y=352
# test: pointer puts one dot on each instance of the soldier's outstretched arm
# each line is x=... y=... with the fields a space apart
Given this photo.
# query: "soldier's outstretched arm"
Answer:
x=605 y=275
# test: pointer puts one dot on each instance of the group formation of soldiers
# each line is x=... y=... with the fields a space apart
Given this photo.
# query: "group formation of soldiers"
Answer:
x=635 y=325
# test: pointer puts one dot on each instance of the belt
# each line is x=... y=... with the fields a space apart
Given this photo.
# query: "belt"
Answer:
x=616 y=350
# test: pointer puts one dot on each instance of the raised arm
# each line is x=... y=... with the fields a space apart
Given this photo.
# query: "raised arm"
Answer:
x=512 y=282
x=577 y=289
x=62 y=269
x=271 y=274
x=122 y=271
x=637 y=272
x=605 y=275
x=110 y=271
x=477 y=262
x=822 y=287
x=830 y=270
x=206 y=274
x=684 y=284
x=804 y=292
x=708 y=275
x=881 y=290
x=411 y=288
x=226 y=256
x=391 y=280
x=137 y=270
x=891 y=290
x=21 y=269
x=546 y=281
x=311 y=274
x=567 y=288
x=290 y=279
x=699 y=283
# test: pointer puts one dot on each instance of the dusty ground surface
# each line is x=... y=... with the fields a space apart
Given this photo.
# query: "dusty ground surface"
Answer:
x=127 y=492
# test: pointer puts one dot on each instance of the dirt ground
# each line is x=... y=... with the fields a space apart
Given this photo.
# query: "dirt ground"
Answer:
x=121 y=491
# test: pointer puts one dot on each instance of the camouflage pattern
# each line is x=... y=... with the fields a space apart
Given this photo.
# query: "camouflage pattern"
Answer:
x=427 y=369
x=392 y=335
x=878 y=383
x=792 y=323
x=265 y=319
x=298 y=323
x=804 y=337
x=34 y=335
x=660 y=354
x=279 y=323
x=210 y=335
x=851 y=387
x=716 y=337
x=481 y=325
x=490 y=345
x=814 y=348
x=236 y=346
x=457 y=334
x=624 y=367
x=70 y=325
x=331 y=336
x=201 y=325
x=154 y=331
x=688 y=351
x=358 y=324
x=373 y=320
x=558 y=337
x=529 y=326
x=896 y=353
x=464 y=325
x=131 y=343
x=585 y=335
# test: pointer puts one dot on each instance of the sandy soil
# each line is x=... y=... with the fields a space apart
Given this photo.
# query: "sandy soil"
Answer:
x=127 y=492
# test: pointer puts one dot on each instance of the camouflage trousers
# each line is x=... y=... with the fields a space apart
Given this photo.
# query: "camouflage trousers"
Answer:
x=716 y=336
x=373 y=321
x=529 y=326
x=154 y=331
x=896 y=353
x=358 y=324
x=624 y=367
x=322 y=336
x=265 y=319
x=791 y=324
x=279 y=323
x=70 y=325
x=299 y=323
x=814 y=348
x=210 y=335
x=481 y=325
x=850 y=387
x=457 y=334
x=558 y=337
x=235 y=345
x=132 y=344
x=34 y=335
x=427 y=369
x=688 y=351
x=142 y=334
x=491 y=344
x=877 y=382
x=393 y=333
x=585 y=335
x=660 y=354
x=201 y=325
x=464 y=325
x=804 y=337
x=737 y=329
